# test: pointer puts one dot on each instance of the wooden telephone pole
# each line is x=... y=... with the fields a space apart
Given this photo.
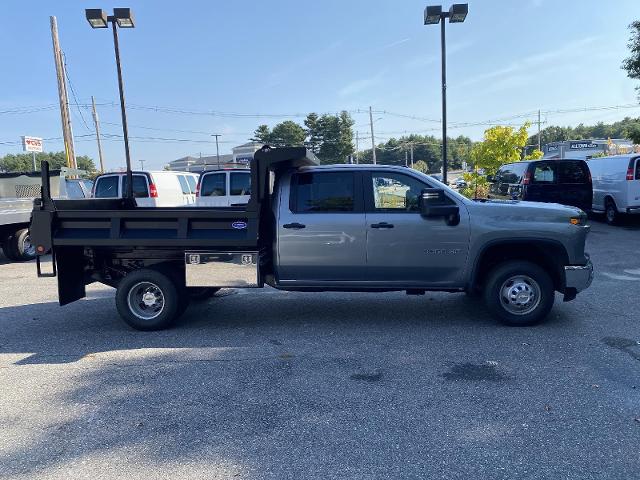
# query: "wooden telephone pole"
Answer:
x=96 y=121
x=67 y=132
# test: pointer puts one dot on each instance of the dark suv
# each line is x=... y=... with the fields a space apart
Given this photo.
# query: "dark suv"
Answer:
x=567 y=182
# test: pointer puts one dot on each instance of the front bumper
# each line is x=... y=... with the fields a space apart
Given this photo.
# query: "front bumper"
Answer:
x=578 y=277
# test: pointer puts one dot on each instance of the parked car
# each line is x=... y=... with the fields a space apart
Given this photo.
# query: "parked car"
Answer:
x=224 y=188
x=319 y=228
x=616 y=185
x=460 y=183
x=150 y=188
x=567 y=182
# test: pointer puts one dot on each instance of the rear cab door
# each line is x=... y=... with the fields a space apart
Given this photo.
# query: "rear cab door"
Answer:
x=321 y=236
x=239 y=187
x=213 y=190
x=140 y=189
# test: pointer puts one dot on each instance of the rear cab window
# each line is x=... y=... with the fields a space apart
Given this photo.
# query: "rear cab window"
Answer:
x=140 y=186
x=240 y=183
x=107 y=187
x=637 y=176
x=323 y=192
x=192 y=183
x=513 y=172
x=214 y=185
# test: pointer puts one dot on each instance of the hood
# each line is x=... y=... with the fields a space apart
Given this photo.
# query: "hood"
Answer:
x=530 y=210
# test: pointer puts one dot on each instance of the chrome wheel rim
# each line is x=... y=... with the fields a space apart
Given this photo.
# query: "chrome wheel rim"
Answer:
x=145 y=300
x=28 y=248
x=520 y=295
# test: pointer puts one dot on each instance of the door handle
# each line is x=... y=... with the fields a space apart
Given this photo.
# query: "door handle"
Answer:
x=295 y=225
x=382 y=225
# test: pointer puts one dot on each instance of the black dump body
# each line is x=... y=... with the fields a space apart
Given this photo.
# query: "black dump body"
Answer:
x=85 y=235
x=120 y=223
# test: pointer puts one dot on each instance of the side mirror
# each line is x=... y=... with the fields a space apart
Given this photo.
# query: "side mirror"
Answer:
x=433 y=203
x=490 y=178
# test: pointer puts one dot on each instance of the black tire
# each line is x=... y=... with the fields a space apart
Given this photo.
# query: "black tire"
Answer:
x=519 y=293
x=611 y=214
x=200 y=294
x=161 y=307
x=18 y=246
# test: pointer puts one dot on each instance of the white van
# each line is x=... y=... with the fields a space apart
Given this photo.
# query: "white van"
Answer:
x=224 y=188
x=150 y=188
x=616 y=185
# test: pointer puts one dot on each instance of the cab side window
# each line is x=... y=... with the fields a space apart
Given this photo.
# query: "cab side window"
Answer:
x=140 y=189
x=544 y=173
x=395 y=192
x=638 y=169
x=323 y=192
x=184 y=185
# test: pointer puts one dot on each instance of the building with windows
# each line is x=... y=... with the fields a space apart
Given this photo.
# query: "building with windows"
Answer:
x=240 y=157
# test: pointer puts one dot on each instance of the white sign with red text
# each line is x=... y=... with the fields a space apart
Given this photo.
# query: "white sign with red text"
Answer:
x=31 y=144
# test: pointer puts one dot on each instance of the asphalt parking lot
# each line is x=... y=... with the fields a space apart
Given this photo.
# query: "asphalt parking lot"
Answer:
x=268 y=384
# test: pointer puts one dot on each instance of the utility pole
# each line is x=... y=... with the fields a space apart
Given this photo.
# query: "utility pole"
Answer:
x=142 y=164
x=97 y=124
x=217 y=150
x=357 y=148
x=411 y=154
x=539 y=143
x=373 y=140
x=406 y=161
x=67 y=132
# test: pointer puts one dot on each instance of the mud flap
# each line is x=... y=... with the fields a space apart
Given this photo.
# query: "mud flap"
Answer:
x=70 y=262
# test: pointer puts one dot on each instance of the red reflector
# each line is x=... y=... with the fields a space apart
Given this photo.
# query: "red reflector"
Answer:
x=527 y=178
x=40 y=249
x=153 y=192
x=630 y=174
x=198 y=189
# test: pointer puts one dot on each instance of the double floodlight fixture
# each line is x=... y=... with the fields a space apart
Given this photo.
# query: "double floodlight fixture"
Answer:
x=98 y=18
x=456 y=14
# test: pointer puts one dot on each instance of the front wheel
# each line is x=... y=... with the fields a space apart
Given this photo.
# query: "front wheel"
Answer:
x=149 y=300
x=519 y=293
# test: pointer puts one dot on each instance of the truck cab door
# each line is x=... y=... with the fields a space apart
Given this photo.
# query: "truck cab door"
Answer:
x=405 y=248
x=321 y=235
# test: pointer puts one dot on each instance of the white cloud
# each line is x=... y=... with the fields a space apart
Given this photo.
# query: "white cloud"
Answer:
x=529 y=63
x=360 y=85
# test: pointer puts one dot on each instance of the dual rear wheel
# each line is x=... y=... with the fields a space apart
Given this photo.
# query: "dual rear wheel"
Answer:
x=149 y=299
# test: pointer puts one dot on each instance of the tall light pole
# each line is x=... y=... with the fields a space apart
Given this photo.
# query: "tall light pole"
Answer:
x=433 y=15
x=123 y=18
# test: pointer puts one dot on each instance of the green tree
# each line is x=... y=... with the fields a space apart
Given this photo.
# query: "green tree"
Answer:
x=23 y=162
x=421 y=166
x=288 y=133
x=262 y=134
x=500 y=145
x=632 y=63
x=314 y=134
x=534 y=155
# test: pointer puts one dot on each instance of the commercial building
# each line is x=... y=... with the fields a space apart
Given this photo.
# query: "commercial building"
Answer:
x=586 y=149
x=240 y=157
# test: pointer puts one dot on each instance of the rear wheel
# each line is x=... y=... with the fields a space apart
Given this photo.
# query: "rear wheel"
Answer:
x=611 y=214
x=149 y=300
x=519 y=293
x=18 y=246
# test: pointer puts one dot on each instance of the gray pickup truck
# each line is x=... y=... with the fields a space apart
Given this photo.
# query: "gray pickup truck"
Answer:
x=311 y=227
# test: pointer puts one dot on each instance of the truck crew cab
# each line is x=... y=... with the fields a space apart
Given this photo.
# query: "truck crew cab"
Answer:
x=317 y=228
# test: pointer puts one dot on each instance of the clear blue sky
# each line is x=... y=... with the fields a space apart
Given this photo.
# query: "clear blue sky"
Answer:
x=292 y=57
